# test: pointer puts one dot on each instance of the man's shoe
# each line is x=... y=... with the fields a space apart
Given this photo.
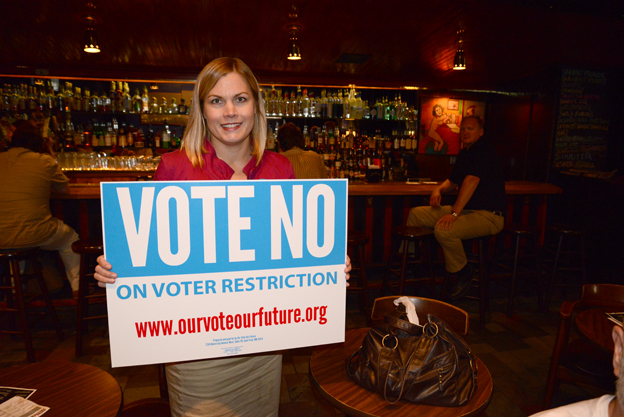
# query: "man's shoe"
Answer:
x=462 y=282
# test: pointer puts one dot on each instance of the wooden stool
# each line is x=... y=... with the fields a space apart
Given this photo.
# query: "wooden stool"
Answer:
x=88 y=251
x=12 y=287
x=559 y=254
x=517 y=232
x=402 y=236
x=356 y=243
x=482 y=261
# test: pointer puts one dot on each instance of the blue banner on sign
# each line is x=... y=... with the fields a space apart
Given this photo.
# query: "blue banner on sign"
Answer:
x=188 y=227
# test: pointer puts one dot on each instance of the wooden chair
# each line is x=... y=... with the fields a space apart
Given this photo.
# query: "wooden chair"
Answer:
x=88 y=292
x=151 y=407
x=582 y=361
x=455 y=317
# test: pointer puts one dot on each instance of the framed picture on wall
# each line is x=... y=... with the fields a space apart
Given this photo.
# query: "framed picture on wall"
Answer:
x=439 y=126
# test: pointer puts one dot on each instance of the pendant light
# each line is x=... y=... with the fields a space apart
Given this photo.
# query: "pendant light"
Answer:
x=294 y=52
x=459 y=63
x=91 y=45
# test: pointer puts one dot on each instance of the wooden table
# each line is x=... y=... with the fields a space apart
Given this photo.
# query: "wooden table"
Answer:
x=68 y=388
x=329 y=377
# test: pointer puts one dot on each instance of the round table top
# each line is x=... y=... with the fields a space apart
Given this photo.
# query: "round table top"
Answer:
x=68 y=388
x=329 y=377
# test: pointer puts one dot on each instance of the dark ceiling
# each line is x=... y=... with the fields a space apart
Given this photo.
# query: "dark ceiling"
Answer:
x=409 y=42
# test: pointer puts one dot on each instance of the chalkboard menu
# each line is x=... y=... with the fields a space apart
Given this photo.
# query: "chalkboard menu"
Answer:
x=582 y=121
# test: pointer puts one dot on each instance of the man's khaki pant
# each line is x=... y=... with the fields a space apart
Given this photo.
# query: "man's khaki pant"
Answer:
x=469 y=225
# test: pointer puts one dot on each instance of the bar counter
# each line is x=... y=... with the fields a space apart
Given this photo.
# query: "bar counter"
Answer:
x=373 y=208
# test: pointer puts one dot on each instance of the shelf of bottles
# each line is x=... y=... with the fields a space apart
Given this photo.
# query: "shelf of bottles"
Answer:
x=108 y=123
x=355 y=130
x=357 y=138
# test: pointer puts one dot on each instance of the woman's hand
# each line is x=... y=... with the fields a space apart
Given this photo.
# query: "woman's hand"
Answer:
x=347 y=269
x=104 y=274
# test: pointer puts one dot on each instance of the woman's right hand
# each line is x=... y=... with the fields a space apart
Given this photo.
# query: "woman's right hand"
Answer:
x=103 y=272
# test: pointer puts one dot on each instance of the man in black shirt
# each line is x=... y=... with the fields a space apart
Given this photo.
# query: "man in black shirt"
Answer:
x=478 y=209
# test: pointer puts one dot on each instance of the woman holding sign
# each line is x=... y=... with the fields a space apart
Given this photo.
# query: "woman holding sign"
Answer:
x=224 y=140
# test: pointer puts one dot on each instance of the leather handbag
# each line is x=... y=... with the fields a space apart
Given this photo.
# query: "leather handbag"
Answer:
x=427 y=364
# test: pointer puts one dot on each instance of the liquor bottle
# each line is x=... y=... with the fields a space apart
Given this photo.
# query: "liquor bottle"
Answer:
x=408 y=141
x=102 y=103
x=313 y=141
x=182 y=107
x=287 y=105
x=294 y=104
x=95 y=134
x=402 y=144
x=313 y=105
x=108 y=139
x=163 y=106
x=31 y=101
x=158 y=139
x=154 y=107
x=126 y=99
x=60 y=100
x=351 y=104
x=77 y=106
x=279 y=102
x=270 y=143
x=173 y=108
x=145 y=101
x=119 y=97
x=130 y=133
x=306 y=138
x=299 y=102
x=149 y=140
x=359 y=108
x=305 y=102
x=140 y=139
x=166 y=135
x=111 y=101
x=122 y=139
x=414 y=141
x=115 y=134
x=323 y=103
x=137 y=102
x=79 y=136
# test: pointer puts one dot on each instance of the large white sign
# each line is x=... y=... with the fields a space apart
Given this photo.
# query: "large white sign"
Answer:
x=216 y=268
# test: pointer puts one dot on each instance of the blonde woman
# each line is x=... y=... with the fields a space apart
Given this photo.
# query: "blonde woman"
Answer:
x=224 y=140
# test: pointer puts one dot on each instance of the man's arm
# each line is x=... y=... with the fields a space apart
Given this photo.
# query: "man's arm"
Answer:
x=436 y=195
x=467 y=189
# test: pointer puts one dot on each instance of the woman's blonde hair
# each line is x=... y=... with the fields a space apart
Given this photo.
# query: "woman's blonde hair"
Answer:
x=196 y=129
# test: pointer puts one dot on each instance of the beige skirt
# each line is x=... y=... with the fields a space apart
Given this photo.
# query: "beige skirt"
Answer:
x=245 y=386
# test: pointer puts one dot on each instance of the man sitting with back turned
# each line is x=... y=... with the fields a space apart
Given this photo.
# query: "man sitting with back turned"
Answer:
x=306 y=164
x=27 y=176
x=607 y=405
x=478 y=209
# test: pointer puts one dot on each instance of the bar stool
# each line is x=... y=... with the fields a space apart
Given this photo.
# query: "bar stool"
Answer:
x=356 y=243
x=17 y=300
x=563 y=251
x=517 y=232
x=402 y=236
x=481 y=260
x=88 y=251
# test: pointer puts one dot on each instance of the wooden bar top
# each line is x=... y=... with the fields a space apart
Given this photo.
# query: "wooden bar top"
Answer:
x=92 y=191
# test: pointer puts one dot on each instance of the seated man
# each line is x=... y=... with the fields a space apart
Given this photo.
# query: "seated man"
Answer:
x=306 y=164
x=27 y=175
x=607 y=405
x=478 y=209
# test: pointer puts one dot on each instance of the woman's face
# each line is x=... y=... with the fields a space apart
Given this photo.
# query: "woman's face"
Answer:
x=438 y=111
x=229 y=109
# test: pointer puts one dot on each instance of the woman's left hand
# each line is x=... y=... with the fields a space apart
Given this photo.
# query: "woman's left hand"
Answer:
x=347 y=269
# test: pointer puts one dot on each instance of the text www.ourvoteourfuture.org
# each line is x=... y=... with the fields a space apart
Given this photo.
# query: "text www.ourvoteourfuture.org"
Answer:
x=225 y=322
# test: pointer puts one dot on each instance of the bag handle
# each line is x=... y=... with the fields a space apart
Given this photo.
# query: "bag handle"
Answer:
x=385 y=391
x=406 y=326
x=350 y=370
